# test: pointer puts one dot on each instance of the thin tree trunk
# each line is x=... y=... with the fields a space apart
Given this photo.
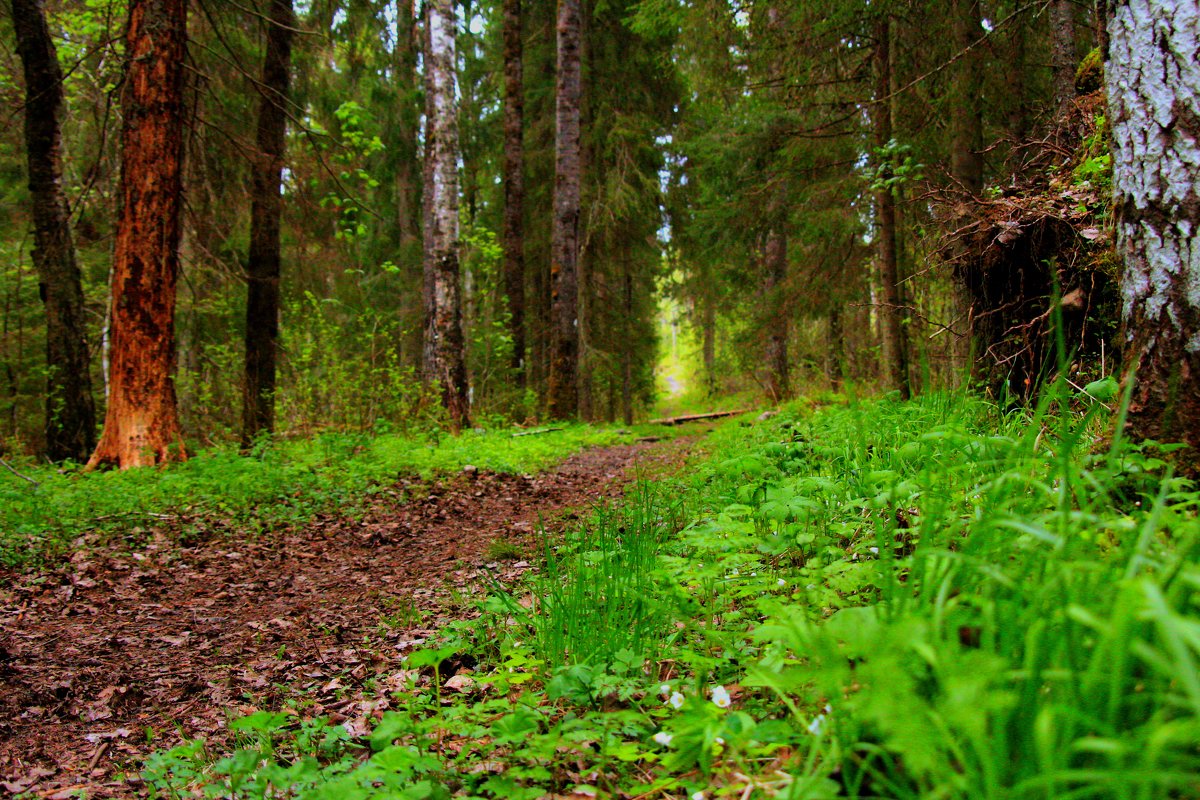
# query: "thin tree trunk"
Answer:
x=1062 y=52
x=266 y=207
x=966 y=161
x=1154 y=101
x=836 y=346
x=1016 y=79
x=141 y=426
x=514 y=185
x=708 y=325
x=627 y=351
x=895 y=355
x=70 y=424
x=775 y=257
x=563 y=390
x=444 y=347
x=408 y=180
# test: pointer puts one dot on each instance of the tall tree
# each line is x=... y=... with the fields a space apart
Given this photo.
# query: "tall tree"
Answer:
x=1062 y=52
x=563 y=389
x=266 y=205
x=1153 y=76
x=70 y=424
x=895 y=349
x=514 y=184
x=444 y=352
x=141 y=426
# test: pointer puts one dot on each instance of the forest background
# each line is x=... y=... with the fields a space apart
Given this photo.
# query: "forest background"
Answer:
x=810 y=193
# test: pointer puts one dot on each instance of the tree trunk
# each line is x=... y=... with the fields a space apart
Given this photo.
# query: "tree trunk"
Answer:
x=1153 y=78
x=708 y=324
x=563 y=390
x=774 y=298
x=514 y=185
x=1016 y=80
x=70 y=425
x=966 y=161
x=141 y=426
x=403 y=147
x=836 y=344
x=627 y=351
x=266 y=206
x=1063 y=61
x=895 y=350
x=444 y=348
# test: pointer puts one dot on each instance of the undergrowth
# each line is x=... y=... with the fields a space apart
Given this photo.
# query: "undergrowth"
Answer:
x=905 y=600
x=43 y=509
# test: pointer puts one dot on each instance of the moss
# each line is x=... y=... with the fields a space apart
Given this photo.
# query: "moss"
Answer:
x=1090 y=75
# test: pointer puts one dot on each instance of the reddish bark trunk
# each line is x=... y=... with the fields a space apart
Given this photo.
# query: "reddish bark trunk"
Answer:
x=263 y=264
x=141 y=426
x=70 y=427
x=778 y=383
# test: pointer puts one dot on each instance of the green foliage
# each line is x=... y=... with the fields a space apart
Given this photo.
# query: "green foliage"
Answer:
x=929 y=599
x=283 y=483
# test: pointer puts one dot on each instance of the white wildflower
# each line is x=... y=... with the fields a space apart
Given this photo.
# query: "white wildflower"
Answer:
x=781 y=582
x=817 y=725
x=663 y=738
x=720 y=697
x=697 y=795
x=665 y=689
x=676 y=700
x=874 y=550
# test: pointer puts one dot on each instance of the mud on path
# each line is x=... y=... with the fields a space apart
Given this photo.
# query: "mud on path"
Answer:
x=118 y=654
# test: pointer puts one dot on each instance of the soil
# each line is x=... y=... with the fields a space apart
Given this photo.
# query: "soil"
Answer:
x=120 y=653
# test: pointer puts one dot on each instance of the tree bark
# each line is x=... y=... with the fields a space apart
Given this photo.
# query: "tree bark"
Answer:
x=141 y=426
x=708 y=325
x=1153 y=78
x=836 y=344
x=966 y=122
x=514 y=185
x=70 y=424
x=445 y=360
x=895 y=350
x=563 y=389
x=266 y=207
x=408 y=179
x=775 y=258
x=1063 y=61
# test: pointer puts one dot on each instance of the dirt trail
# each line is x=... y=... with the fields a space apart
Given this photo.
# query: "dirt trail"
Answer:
x=118 y=654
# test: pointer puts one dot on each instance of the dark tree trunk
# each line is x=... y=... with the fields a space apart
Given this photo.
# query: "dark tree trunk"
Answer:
x=895 y=350
x=775 y=258
x=708 y=324
x=966 y=161
x=563 y=390
x=836 y=368
x=1062 y=52
x=514 y=185
x=408 y=180
x=445 y=360
x=141 y=426
x=70 y=426
x=627 y=351
x=266 y=206
x=1154 y=102
x=1015 y=82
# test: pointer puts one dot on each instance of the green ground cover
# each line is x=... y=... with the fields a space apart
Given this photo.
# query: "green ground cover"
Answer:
x=43 y=509
x=877 y=599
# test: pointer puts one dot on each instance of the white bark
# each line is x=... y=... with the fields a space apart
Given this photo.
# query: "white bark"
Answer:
x=1153 y=78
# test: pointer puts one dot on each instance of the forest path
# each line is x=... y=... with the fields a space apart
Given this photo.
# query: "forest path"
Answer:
x=118 y=654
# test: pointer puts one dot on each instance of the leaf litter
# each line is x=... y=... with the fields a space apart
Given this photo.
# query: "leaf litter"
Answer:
x=117 y=654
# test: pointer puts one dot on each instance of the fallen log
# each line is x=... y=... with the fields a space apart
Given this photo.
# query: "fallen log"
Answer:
x=695 y=417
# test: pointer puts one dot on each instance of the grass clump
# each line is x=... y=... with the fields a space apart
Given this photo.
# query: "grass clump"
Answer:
x=883 y=599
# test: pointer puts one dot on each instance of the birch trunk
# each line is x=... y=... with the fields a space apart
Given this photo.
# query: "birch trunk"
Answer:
x=1153 y=74
x=444 y=348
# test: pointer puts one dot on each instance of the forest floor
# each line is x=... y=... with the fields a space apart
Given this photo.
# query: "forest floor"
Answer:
x=121 y=652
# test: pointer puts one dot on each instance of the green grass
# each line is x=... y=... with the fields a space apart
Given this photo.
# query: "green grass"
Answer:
x=282 y=483
x=878 y=599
